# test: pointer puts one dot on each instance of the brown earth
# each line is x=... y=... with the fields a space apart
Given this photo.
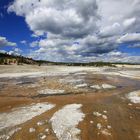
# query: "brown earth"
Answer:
x=123 y=119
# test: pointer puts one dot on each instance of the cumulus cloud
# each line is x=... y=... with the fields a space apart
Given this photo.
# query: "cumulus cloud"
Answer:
x=34 y=44
x=129 y=22
x=15 y=51
x=68 y=18
x=131 y=37
x=111 y=30
x=83 y=30
x=2 y=51
x=4 y=42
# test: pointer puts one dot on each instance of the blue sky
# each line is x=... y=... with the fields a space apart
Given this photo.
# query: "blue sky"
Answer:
x=14 y=28
x=48 y=29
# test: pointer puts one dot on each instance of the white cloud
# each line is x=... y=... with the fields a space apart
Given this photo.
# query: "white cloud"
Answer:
x=67 y=18
x=111 y=30
x=23 y=42
x=129 y=22
x=2 y=51
x=123 y=12
x=115 y=53
x=98 y=27
x=15 y=51
x=5 y=43
x=131 y=37
x=34 y=44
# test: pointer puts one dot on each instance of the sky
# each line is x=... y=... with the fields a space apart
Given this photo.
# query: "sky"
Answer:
x=71 y=30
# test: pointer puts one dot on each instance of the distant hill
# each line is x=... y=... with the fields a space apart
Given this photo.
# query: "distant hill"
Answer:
x=7 y=59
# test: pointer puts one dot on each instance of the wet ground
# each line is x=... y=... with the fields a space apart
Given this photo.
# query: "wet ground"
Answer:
x=108 y=113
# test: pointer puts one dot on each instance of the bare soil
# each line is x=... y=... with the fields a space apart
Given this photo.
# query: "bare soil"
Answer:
x=123 y=118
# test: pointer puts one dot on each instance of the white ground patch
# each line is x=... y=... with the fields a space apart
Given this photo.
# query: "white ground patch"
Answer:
x=81 y=85
x=22 y=114
x=104 y=117
x=99 y=126
x=33 y=85
x=134 y=96
x=31 y=130
x=25 y=74
x=103 y=86
x=51 y=91
x=47 y=130
x=10 y=134
x=40 y=123
x=42 y=136
x=71 y=80
x=65 y=121
x=96 y=87
x=97 y=114
x=17 y=71
x=130 y=104
x=105 y=111
x=91 y=122
x=80 y=73
x=103 y=129
x=107 y=86
x=14 y=72
x=106 y=132
x=74 y=69
x=109 y=127
x=127 y=73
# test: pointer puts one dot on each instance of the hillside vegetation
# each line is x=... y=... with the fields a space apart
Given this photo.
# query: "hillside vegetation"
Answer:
x=7 y=59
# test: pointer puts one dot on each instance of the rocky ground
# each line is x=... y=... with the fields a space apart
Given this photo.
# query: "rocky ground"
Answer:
x=69 y=103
